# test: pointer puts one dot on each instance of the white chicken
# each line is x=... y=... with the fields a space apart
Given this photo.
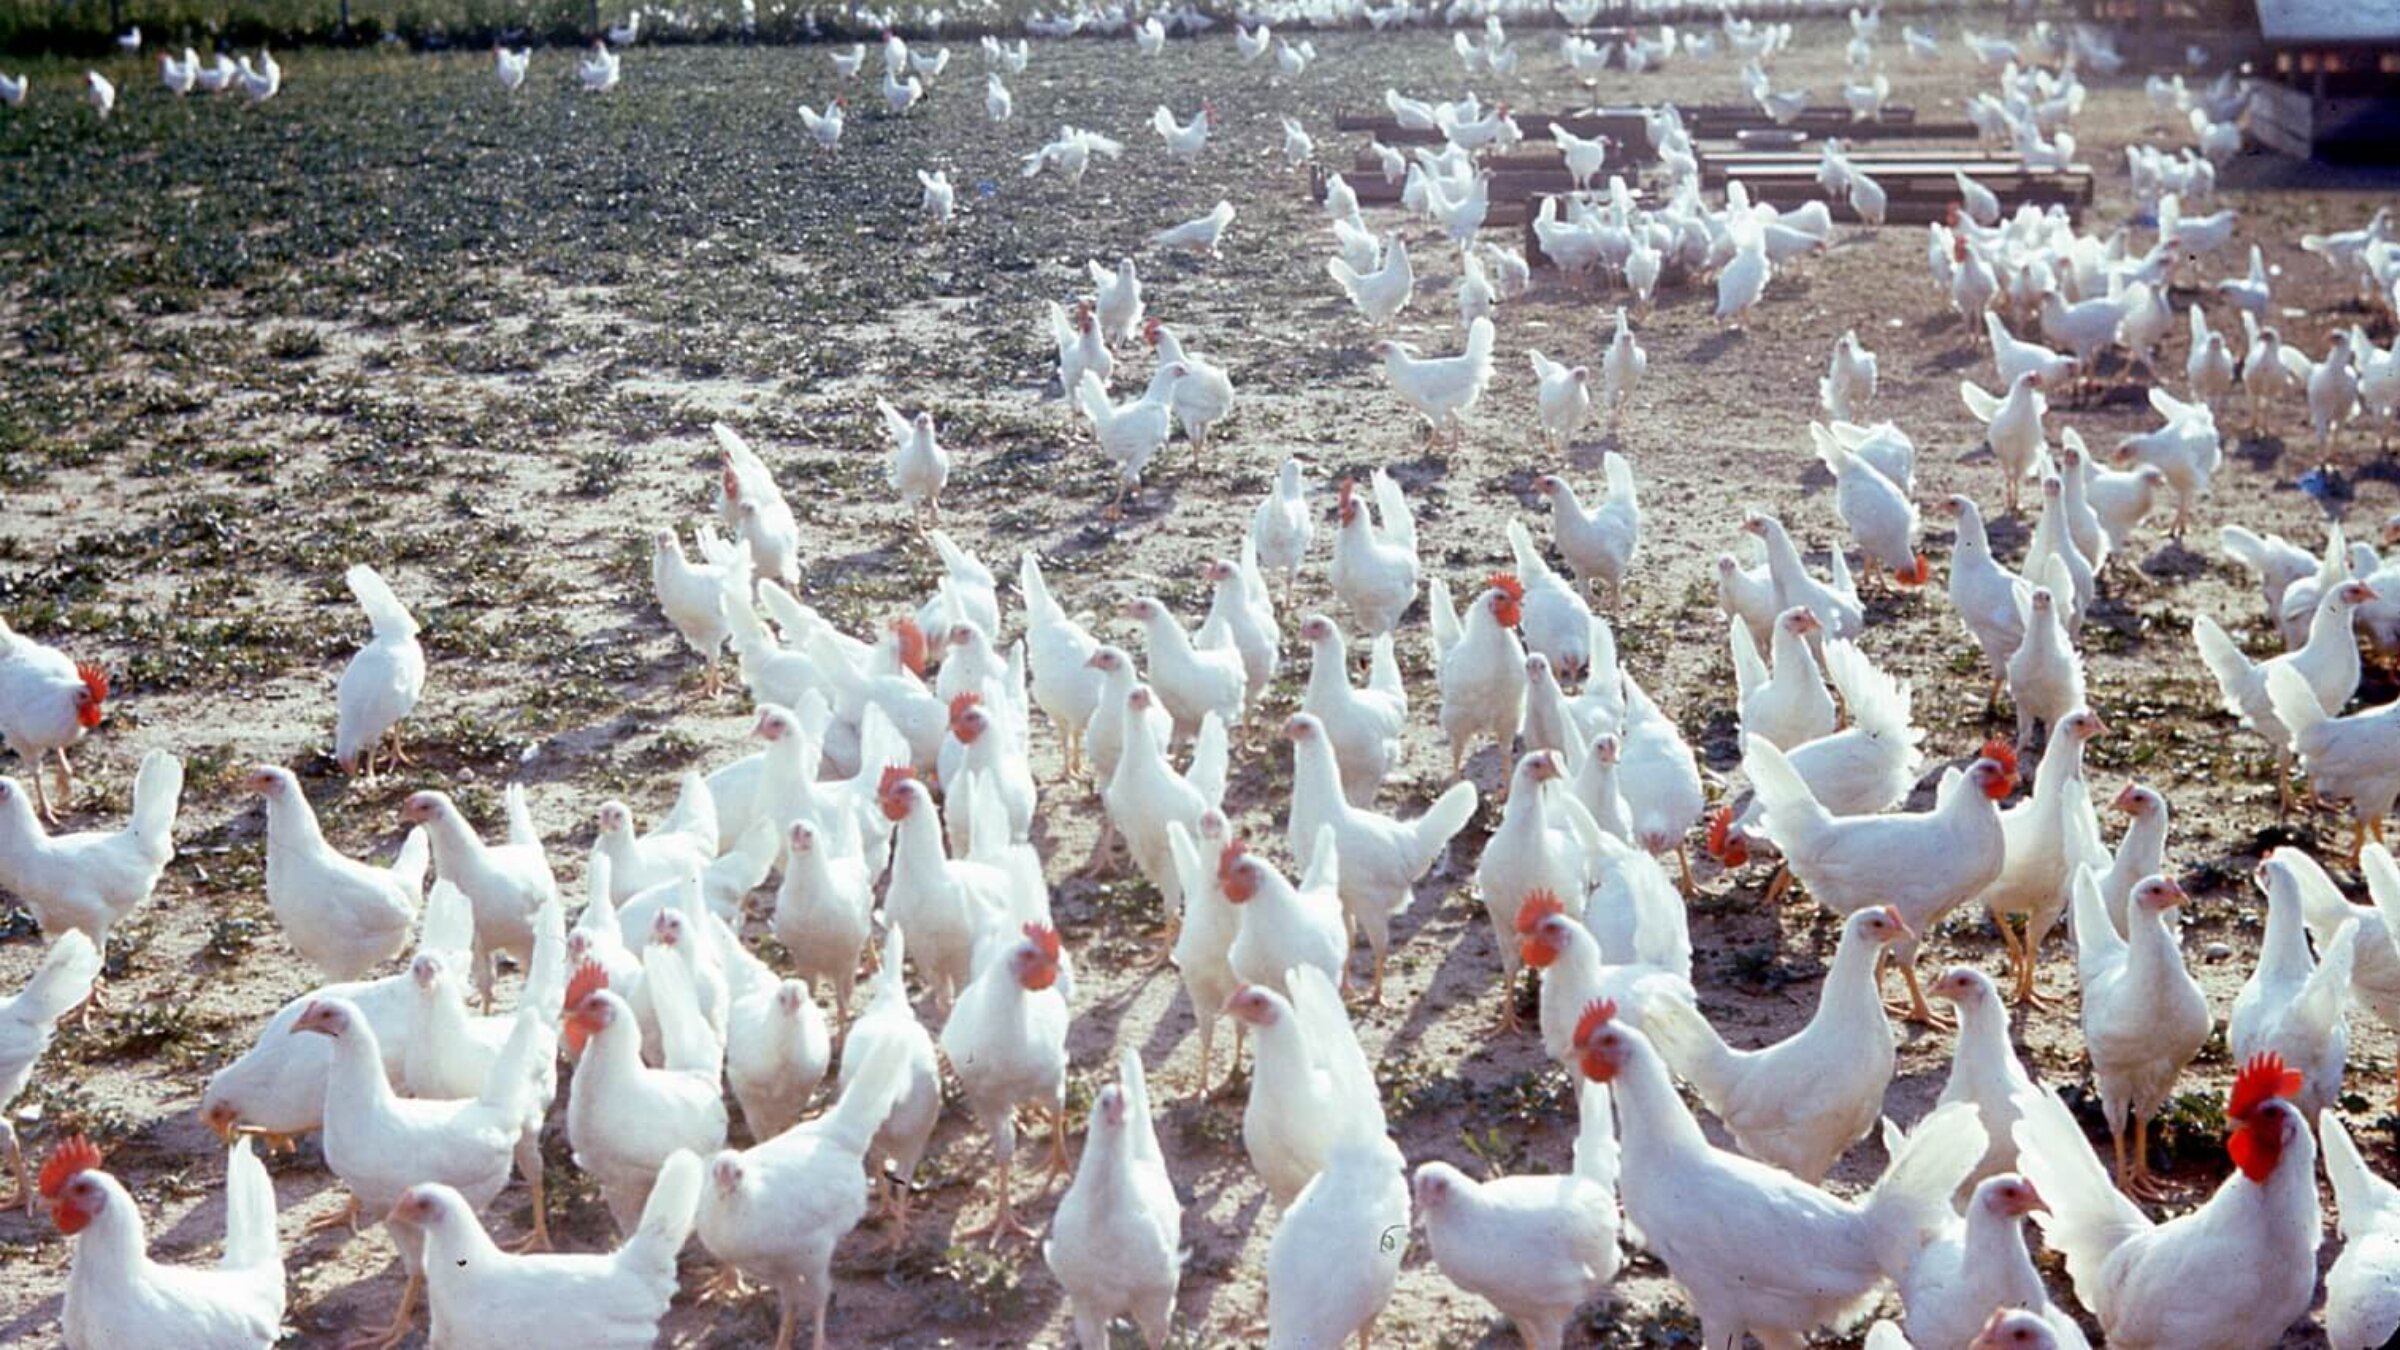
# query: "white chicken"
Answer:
x=1374 y=570
x=1282 y=927
x=1379 y=293
x=1563 y=399
x=1536 y=1247
x=752 y=505
x=626 y=1121
x=1203 y=397
x=380 y=1143
x=1984 y=1071
x=1058 y=654
x=1922 y=866
x=1192 y=681
x=118 y=1297
x=484 y=1298
x=918 y=468
x=90 y=881
x=2293 y=1004
x=1115 y=1244
x=777 y=1209
x=343 y=917
x=2347 y=758
x=2144 y=1017
x=47 y=703
x=28 y=1019
x=1697 y=1207
x=889 y=1029
x=1480 y=670
x=1442 y=389
x=1130 y=434
x=2252 y=1247
x=505 y=883
x=381 y=685
x=696 y=597
x=1006 y=1039
x=1381 y=857
x=1283 y=526
x=1800 y=1103
x=1330 y=1267
x=683 y=842
x=1882 y=520
x=1601 y=543
x=1785 y=704
x=2362 y=1291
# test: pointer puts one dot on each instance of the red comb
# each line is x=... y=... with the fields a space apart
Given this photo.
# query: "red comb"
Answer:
x=1507 y=585
x=1349 y=486
x=1044 y=939
x=589 y=979
x=958 y=712
x=2262 y=1077
x=733 y=484
x=912 y=644
x=1228 y=858
x=74 y=1154
x=1596 y=1014
x=893 y=776
x=2002 y=753
x=1538 y=905
x=95 y=683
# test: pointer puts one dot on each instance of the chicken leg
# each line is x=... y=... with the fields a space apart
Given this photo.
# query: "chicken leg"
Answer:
x=1916 y=1009
x=1004 y=1222
x=1777 y=885
x=2133 y=1173
x=529 y=1162
x=1059 y=1163
x=25 y=1195
x=66 y=781
x=347 y=1214
x=403 y=1320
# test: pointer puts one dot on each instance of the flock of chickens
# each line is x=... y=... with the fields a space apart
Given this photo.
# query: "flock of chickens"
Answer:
x=884 y=826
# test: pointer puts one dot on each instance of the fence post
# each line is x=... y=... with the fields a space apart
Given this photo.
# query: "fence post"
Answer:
x=116 y=17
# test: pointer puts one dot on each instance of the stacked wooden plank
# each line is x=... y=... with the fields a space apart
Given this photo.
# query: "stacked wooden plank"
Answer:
x=1629 y=126
x=1918 y=187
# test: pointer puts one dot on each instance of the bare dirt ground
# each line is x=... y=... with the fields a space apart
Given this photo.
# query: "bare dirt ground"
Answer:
x=395 y=316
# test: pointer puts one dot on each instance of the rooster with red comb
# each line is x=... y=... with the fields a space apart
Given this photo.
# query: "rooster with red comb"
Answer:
x=47 y=702
x=1480 y=669
x=2233 y=1274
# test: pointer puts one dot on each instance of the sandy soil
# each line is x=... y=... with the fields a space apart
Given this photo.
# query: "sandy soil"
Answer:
x=393 y=316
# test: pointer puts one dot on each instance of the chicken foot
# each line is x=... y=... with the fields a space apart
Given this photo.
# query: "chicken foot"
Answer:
x=1004 y=1222
x=724 y=1285
x=1103 y=859
x=2133 y=1173
x=1916 y=1009
x=1777 y=885
x=346 y=1215
x=404 y=1319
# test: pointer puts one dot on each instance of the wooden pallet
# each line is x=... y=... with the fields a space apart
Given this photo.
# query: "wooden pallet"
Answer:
x=1627 y=132
x=1907 y=180
x=1530 y=156
x=1511 y=192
